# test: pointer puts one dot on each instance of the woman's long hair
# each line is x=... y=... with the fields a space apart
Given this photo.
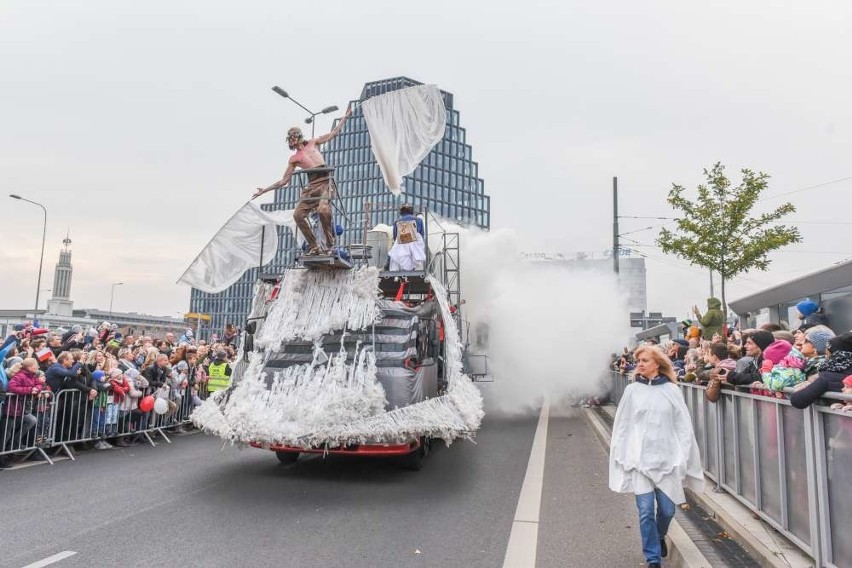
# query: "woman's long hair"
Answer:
x=660 y=358
x=178 y=355
x=150 y=358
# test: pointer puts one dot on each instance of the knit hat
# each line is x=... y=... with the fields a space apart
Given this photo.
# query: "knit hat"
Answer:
x=807 y=307
x=819 y=338
x=842 y=342
x=776 y=351
x=763 y=339
x=847 y=382
x=98 y=375
x=12 y=361
x=682 y=342
x=115 y=373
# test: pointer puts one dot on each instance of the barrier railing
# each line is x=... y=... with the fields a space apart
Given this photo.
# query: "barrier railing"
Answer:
x=25 y=425
x=791 y=467
x=36 y=423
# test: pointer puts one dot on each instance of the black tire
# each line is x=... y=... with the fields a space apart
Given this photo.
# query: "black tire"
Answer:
x=414 y=460
x=287 y=457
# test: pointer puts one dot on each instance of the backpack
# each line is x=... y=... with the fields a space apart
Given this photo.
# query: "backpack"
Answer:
x=406 y=232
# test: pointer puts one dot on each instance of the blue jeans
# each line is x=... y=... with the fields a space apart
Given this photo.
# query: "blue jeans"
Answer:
x=654 y=526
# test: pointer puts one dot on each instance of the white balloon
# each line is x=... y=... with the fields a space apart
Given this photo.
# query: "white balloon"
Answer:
x=161 y=406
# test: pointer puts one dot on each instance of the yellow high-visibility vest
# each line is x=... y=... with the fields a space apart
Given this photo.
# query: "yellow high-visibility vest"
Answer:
x=218 y=380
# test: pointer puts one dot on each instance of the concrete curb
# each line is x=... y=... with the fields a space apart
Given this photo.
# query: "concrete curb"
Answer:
x=758 y=539
x=682 y=551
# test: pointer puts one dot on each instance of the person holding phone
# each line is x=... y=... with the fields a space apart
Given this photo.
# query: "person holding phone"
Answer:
x=653 y=452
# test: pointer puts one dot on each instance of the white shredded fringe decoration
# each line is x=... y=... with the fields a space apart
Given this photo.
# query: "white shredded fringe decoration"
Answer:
x=330 y=403
x=314 y=302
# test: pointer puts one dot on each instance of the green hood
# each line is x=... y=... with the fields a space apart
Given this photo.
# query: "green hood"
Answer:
x=714 y=303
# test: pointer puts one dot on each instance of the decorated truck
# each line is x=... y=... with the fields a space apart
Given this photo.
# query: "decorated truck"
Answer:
x=351 y=361
x=356 y=347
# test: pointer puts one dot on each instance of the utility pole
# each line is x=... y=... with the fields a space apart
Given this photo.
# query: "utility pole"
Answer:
x=712 y=295
x=615 y=224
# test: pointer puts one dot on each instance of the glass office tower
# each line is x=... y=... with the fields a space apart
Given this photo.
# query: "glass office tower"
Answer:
x=447 y=183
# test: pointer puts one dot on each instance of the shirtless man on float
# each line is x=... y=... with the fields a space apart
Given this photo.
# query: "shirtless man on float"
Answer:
x=316 y=194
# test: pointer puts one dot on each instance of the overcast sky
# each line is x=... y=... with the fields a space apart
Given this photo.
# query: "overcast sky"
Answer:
x=143 y=126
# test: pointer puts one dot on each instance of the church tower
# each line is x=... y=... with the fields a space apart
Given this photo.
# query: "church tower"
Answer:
x=60 y=304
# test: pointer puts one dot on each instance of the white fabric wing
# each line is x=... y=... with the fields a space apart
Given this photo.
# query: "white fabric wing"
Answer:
x=404 y=126
x=237 y=247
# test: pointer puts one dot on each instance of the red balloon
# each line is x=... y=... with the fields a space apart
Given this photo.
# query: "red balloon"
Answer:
x=146 y=404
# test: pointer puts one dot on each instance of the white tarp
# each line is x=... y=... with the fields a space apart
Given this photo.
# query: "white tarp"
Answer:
x=237 y=247
x=404 y=126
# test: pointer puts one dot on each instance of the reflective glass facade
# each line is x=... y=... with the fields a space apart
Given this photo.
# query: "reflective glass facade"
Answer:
x=447 y=182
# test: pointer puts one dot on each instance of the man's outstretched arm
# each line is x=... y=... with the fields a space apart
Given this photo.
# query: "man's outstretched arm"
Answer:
x=326 y=137
x=288 y=173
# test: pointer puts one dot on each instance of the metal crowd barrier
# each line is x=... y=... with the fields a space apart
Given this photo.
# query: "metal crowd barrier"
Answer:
x=25 y=425
x=791 y=467
x=35 y=423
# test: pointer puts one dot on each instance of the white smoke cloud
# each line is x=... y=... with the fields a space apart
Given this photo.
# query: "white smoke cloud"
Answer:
x=548 y=328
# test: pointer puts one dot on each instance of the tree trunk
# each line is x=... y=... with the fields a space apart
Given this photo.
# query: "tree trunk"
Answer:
x=724 y=303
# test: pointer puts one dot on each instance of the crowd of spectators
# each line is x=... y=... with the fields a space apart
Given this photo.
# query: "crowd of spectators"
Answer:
x=802 y=363
x=96 y=388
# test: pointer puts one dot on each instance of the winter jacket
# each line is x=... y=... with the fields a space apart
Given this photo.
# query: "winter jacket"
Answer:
x=133 y=394
x=59 y=378
x=750 y=374
x=120 y=388
x=786 y=373
x=156 y=376
x=22 y=384
x=713 y=319
x=830 y=379
x=7 y=346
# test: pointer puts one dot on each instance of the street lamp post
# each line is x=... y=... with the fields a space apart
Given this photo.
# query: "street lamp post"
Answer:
x=310 y=119
x=43 y=237
x=112 y=297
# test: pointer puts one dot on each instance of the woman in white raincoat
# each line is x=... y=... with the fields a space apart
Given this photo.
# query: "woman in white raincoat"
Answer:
x=653 y=451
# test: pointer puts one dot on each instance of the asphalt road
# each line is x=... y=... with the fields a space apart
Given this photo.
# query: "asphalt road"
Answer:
x=193 y=503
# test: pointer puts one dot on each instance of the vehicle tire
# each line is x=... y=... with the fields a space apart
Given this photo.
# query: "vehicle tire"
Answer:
x=287 y=457
x=414 y=460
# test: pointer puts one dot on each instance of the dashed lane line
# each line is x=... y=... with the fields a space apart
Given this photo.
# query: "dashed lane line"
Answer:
x=51 y=559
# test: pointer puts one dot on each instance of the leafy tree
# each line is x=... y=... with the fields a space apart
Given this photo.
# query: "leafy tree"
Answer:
x=716 y=230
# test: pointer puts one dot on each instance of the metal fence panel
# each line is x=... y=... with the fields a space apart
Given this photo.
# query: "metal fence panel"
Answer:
x=729 y=442
x=768 y=452
x=837 y=455
x=25 y=424
x=798 y=494
x=747 y=451
x=711 y=415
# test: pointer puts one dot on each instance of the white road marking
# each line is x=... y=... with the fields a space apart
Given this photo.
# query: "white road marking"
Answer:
x=51 y=559
x=523 y=540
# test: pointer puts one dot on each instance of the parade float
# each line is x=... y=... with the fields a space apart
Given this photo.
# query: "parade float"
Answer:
x=340 y=354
